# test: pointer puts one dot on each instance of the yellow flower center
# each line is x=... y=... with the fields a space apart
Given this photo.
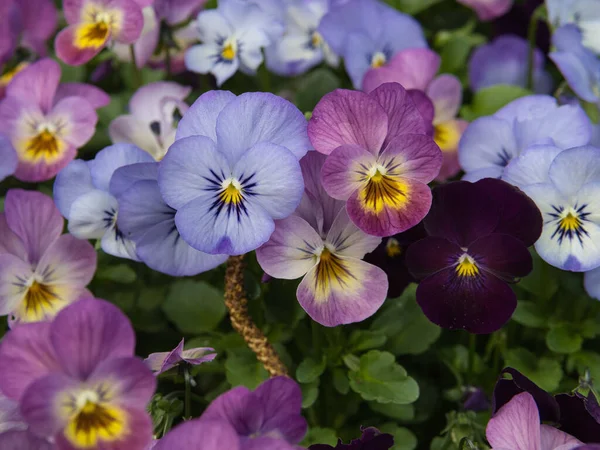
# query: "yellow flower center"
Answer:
x=393 y=248
x=229 y=50
x=466 y=267
x=10 y=74
x=44 y=145
x=40 y=302
x=231 y=192
x=571 y=222
x=447 y=136
x=332 y=274
x=96 y=26
x=382 y=190
x=92 y=35
x=316 y=39
x=377 y=60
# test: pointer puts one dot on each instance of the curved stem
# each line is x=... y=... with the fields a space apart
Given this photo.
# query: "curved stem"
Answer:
x=137 y=74
x=242 y=323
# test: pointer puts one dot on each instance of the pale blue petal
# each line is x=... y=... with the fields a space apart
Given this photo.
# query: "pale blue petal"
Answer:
x=72 y=182
x=574 y=168
x=111 y=158
x=591 y=282
x=358 y=56
x=125 y=177
x=8 y=158
x=223 y=71
x=532 y=166
x=201 y=118
x=201 y=58
x=92 y=214
x=213 y=26
x=114 y=243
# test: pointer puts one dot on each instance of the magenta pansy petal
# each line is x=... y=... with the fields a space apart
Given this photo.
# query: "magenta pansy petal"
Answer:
x=375 y=77
x=555 y=439
x=414 y=156
x=384 y=215
x=352 y=296
x=268 y=443
x=68 y=52
x=133 y=22
x=42 y=171
x=87 y=333
x=79 y=117
x=10 y=242
x=349 y=240
x=163 y=361
x=36 y=83
x=446 y=94
x=430 y=255
x=345 y=117
x=95 y=96
x=201 y=118
x=516 y=425
x=23 y=440
x=26 y=354
x=344 y=170
x=425 y=107
x=230 y=407
x=214 y=435
x=415 y=67
x=33 y=217
x=289 y=252
x=488 y=9
x=72 y=10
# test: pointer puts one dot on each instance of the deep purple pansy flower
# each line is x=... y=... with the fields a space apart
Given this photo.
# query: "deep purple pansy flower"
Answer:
x=477 y=245
x=77 y=380
x=320 y=243
x=380 y=157
x=41 y=271
x=163 y=361
x=234 y=169
x=371 y=439
x=46 y=121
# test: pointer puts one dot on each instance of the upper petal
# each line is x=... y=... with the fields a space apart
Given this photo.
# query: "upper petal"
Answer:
x=234 y=407
x=574 y=168
x=72 y=182
x=414 y=156
x=95 y=96
x=201 y=118
x=214 y=435
x=531 y=166
x=8 y=157
x=516 y=425
x=111 y=158
x=446 y=94
x=36 y=83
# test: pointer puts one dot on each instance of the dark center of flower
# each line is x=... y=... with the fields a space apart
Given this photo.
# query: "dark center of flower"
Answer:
x=43 y=145
x=382 y=190
x=331 y=271
x=570 y=223
x=231 y=192
x=466 y=266
x=39 y=302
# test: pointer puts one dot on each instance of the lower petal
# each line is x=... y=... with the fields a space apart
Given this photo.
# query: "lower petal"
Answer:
x=8 y=157
x=390 y=206
x=592 y=283
x=92 y=214
x=69 y=52
x=553 y=438
x=342 y=290
x=23 y=440
x=115 y=243
x=516 y=425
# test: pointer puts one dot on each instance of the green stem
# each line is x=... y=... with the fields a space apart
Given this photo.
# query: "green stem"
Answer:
x=537 y=15
x=471 y=363
x=316 y=337
x=168 y=61
x=137 y=74
x=188 y=392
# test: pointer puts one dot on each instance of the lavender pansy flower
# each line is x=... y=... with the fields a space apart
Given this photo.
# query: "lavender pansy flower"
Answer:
x=77 y=380
x=161 y=362
x=234 y=169
x=371 y=439
x=41 y=271
x=490 y=143
x=368 y=33
x=233 y=36
x=146 y=220
x=516 y=426
x=478 y=238
x=302 y=46
x=488 y=9
x=85 y=196
x=267 y=418
x=504 y=61
x=380 y=159
x=584 y=14
x=579 y=66
x=211 y=435
x=154 y=112
x=47 y=121
x=320 y=243
x=93 y=24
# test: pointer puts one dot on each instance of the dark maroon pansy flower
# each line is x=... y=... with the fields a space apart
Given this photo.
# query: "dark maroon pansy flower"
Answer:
x=390 y=256
x=580 y=416
x=478 y=234
x=371 y=439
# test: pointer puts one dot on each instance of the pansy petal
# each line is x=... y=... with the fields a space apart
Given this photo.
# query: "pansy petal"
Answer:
x=79 y=119
x=32 y=171
x=214 y=435
x=348 y=240
x=88 y=332
x=92 y=214
x=103 y=166
x=345 y=117
x=516 y=425
x=68 y=52
x=446 y=94
x=260 y=117
x=72 y=182
x=553 y=438
x=222 y=71
x=430 y=255
x=503 y=255
x=130 y=129
x=8 y=156
x=414 y=156
x=574 y=168
x=95 y=96
x=198 y=355
x=480 y=174
x=425 y=107
x=163 y=361
x=531 y=166
x=125 y=177
x=231 y=407
x=9 y=242
x=342 y=290
x=290 y=252
x=33 y=217
x=133 y=22
x=268 y=443
x=26 y=354
x=201 y=118
x=592 y=283
x=23 y=440
x=392 y=209
x=345 y=169
x=36 y=83
x=115 y=243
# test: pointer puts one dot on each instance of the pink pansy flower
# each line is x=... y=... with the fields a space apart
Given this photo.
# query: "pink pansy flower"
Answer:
x=416 y=69
x=488 y=9
x=163 y=361
x=41 y=271
x=46 y=121
x=380 y=157
x=93 y=24
x=516 y=426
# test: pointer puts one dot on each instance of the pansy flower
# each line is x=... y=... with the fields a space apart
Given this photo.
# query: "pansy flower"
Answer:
x=504 y=61
x=478 y=238
x=416 y=69
x=371 y=439
x=41 y=271
x=368 y=33
x=233 y=170
x=85 y=196
x=163 y=361
x=77 y=380
x=320 y=243
x=488 y=9
x=93 y=24
x=46 y=121
x=146 y=220
x=490 y=143
x=233 y=36
x=200 y=434
x=154 y=112
x=380 y=159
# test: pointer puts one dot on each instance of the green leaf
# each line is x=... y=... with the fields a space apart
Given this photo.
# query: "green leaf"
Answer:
x=194 y=306
x=310 y=393
x=151 y=298
x=361 y=340
x=545 y=372
x=456 y=50
x=585 y=360
x=381 y=379
x=121 y=273
x=404 y=439
x=530 y=314
x=340 y=381
x=488 y=100
x=413 y=7
x=318 y=435
x=313 y=86
x=310 y=370
x=543 y=279
x=564 y=339
x=403 y=413
x=242 y=368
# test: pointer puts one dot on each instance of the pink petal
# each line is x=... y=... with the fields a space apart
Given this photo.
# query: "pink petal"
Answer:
x=163 y=361
x=10 y=242
x=72 y=10
x=425 y=107
x=36 y=83
x=78 y=117
x=414 y=156
x=553 y=439
x=516 y=425
x=40 y=19
x=450 y=165
x=64 y=44
x=42 y=171
x=133 y=21
x=446 y=94
x=95 y=96
x=488 y=9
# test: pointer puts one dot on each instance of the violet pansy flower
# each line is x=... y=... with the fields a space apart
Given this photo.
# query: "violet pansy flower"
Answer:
x=46 y=121
x=93 y=24
x=85 y=196
x=233 y=36
x=154 y=112
x=163 y=361
x=477 y=244
x=488 y=9
x=380 y=159
x=234 y=169
x=490 y=143
x=368 y=33
x=504 y=61
x=320 y=243
x=77 y=380
x=41 y=271
x=146 y=220
x=584 y=14
x=416 y=69
x=200 y=434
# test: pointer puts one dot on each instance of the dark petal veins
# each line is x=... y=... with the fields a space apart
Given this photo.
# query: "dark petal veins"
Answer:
x=430 y=255
x=503 y=255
